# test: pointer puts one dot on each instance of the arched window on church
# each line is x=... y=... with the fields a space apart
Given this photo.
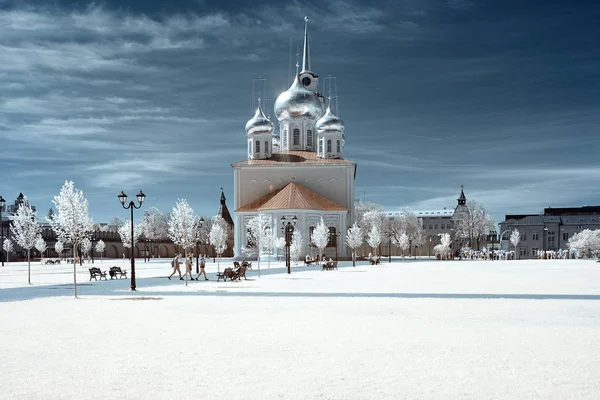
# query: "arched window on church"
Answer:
x=310 y=233
x=309 y=138
x=266 y=146
x=296 y=137
x=339 y=146
x=258 y=146
x=321 y=146
x=329 y=145
x=332 y=237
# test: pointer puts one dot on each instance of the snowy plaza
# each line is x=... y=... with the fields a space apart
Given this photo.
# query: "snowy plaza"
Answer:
x=413 y=329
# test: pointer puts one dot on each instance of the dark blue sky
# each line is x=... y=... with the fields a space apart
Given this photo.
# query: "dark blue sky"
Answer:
x=503 y=97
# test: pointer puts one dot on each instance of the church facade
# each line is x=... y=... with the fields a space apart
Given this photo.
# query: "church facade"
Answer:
x=301 y=175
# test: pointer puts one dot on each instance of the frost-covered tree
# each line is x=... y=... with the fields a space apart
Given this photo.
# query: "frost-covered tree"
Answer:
x=320 y=237
x=71 y=222
x=59 y=247
x=183 y=225
x=259 y=234
x=515 y=238
x=218 y=237
x=7 y=246
x=374 y=238
x=443 y=249
x=125 y=233
x=100 y=246
x=354 y=238
x=408 y=223
x=403 y=242
x=26 y=230
x=86 y=246
x=40 y=245
x=586 y=244
x=472 y=224
x=297 y=246
x=278 y=242
x=155 y=226
x=115 y=224
x=362 y=209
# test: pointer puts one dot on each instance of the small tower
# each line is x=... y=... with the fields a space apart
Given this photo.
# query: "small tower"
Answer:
x=298 y=108
x=330 y=135
x=308 y=79
x=462 y=200
x=223 y=211
x=259 y=130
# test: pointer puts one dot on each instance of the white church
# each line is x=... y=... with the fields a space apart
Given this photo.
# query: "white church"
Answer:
x=301 y=176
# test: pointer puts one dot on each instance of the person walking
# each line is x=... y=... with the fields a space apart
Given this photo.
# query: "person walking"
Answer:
x=175 y=264
x=202 y=271
x=188 y=267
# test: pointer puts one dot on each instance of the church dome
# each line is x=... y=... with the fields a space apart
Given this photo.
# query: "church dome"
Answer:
x=329 y=122
x=298 y=101
x=259 y=123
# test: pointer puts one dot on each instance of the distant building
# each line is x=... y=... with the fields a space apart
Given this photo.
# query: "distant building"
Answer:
x=435 y=223
x=550 y=230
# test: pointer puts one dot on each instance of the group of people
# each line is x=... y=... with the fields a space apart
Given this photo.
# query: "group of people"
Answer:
x=176 y=265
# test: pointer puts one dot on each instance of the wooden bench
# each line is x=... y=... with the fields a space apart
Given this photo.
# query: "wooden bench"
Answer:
x=308 y=262
x=116 y=271
x=95 y=273
x=329 y=265
x=241 y=271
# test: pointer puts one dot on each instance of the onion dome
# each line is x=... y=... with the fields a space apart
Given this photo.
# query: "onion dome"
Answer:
x=259 y=123
x=329 y=122
x=298 y=101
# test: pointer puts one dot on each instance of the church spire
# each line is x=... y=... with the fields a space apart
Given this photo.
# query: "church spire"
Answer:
x=306 y=54
x=462 y=200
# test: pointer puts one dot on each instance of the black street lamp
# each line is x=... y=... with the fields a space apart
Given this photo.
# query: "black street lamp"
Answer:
x=200 y=225
x=389 y=235
x=545 y=239
x=287 y=228
x=333 y=237
x=429 y=248
x=2 y=203
x=140 y=198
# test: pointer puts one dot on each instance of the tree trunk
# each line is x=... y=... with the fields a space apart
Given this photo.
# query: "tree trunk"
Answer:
x=28 y=268
x=75 y=276
x=354 y=257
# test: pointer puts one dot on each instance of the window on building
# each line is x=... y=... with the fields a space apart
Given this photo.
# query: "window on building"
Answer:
x=266 y=146
x=430 y=226
x=534 y=251
x=309 y=138
x=320 y=146
x=296 y=137
x=332 y=237
x=551 y=235
x=258 y=146
x=329 y=145
x=310 y=233
x=523 y=236
x=435 y=226
x=523 y=251
x=339 y=146
x=579 y=226
x=565 y=236
x=535 y=236
x=442 y=226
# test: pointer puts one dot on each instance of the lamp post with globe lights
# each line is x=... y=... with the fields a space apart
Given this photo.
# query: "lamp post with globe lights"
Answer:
x=140 y=198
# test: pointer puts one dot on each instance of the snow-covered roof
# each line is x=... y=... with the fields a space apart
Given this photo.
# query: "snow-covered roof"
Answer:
x=425 y=213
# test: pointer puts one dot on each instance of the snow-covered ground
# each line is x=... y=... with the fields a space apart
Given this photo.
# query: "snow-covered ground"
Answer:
x=406 y=330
